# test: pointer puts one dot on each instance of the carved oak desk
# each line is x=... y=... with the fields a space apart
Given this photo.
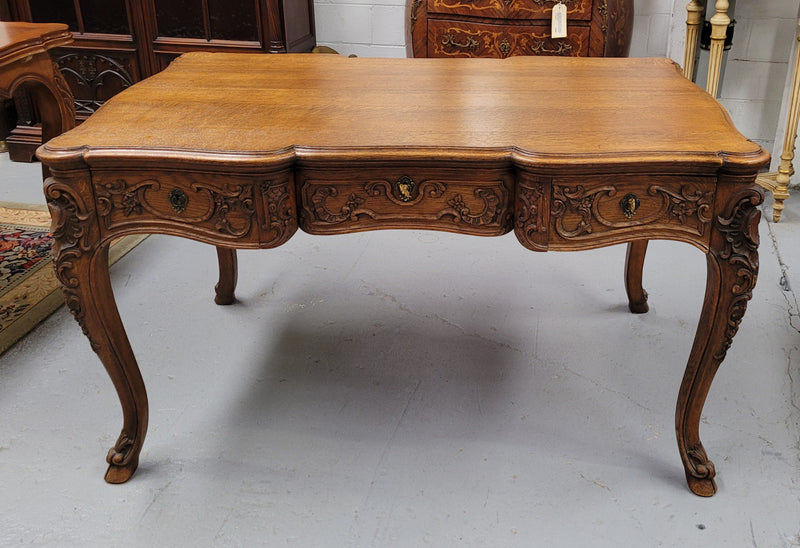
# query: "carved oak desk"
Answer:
x=25 y=62
x=570 y=154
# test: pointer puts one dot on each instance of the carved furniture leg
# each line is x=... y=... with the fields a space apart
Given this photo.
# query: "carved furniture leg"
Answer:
x=719 y=29
x=81 y=265
x=228 y=275
x=634 y=264
x=694 y=16
x=732 y=270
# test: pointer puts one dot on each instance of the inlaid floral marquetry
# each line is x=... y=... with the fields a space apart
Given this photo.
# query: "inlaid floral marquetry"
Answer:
x=506 y=28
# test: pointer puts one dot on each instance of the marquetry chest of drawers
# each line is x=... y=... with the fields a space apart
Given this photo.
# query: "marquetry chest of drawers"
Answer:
x=502 y=28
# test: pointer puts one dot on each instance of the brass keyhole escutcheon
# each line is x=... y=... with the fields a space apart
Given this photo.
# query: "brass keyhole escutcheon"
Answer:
x=178 y=200
x=405 y=188
x=629 y=204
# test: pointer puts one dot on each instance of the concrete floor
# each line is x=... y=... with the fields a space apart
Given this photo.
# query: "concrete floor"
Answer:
x=406 y=389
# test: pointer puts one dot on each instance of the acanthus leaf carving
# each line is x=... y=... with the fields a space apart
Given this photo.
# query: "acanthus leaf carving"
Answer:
x=349 y=211
x=530 y=209
x=462 y=212
x=280 y=216
x=230 y=206
x=690 y=206
x=70 y=227
x=740 y=230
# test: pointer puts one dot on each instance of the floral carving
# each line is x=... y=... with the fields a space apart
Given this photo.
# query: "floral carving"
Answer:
x=576 y=200
x=384 y=200
x=233 y=198
x=486 y=216
x=230 y=207
x=690 y=207
x=349 y=211
x=280 y=217
x=530 y=208
x=70 y=228
x=740 y=230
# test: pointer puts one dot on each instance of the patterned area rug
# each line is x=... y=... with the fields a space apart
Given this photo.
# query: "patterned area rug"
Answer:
x=29 y=291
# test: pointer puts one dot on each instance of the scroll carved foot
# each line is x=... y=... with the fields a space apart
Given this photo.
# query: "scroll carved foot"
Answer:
x=634 y=264
x=228 y=275
x=700 y=474
x=732 y=262
x=123 y=459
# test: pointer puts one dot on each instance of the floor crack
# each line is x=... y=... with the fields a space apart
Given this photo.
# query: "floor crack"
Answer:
x=793 y=309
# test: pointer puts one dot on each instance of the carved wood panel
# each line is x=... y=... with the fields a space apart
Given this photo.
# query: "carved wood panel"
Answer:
x=205 y=205
x=439 y=201
x=597 y=208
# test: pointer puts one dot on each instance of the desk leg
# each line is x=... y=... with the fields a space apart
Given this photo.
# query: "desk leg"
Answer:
x=81 y=265
x=732 y=263
x=228 y=275
x=634 y=264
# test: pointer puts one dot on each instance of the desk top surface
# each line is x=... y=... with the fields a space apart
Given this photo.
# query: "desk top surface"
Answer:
x=212 y=105
x=23 y=39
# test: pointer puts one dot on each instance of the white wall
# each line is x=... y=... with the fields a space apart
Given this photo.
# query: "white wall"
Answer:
x=754 y=82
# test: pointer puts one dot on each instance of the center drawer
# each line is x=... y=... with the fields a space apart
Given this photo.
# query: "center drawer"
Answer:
x=469 y=202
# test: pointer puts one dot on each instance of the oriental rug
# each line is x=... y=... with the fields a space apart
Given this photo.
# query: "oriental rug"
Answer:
x=29 y=290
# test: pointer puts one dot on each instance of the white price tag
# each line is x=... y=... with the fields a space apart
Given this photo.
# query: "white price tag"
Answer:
x=558 y=27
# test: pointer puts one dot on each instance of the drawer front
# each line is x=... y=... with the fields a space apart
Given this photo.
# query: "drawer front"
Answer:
x=460 y=39
x=211 y=207
x=612 y=208
x=451 y=200
x=580 y=10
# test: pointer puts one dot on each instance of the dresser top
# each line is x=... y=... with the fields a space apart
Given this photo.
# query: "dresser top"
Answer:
x=257 y=108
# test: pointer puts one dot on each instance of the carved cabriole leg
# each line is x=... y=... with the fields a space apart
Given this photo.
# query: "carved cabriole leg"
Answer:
x=228 y=274
x=732 y=270
x=719 y=30
x=634 y=264
x=694 y=16
x=81 y=263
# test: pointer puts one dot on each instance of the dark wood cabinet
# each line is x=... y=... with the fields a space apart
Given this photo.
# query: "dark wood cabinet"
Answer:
x=502 y=28
x=119 y=42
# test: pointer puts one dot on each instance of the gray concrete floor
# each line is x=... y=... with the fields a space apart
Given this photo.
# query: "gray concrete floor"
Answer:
x=406 y=389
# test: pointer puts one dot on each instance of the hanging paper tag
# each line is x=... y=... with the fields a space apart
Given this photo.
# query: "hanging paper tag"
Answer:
x=558 y=27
